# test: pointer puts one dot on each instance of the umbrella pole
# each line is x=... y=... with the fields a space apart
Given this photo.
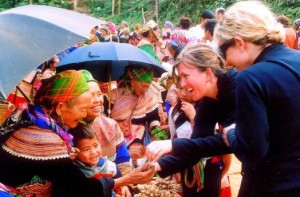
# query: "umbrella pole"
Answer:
x=25 y=96
x=109 y=95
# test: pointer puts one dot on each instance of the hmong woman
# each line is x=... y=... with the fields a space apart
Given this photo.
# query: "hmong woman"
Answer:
x=42 y=148
x=107 y=130
x=136 y=108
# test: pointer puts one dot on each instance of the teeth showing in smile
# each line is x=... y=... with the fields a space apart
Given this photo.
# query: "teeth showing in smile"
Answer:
x=190 y=89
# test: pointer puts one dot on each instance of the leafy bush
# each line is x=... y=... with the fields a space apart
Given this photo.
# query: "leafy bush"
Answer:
x=131 y=10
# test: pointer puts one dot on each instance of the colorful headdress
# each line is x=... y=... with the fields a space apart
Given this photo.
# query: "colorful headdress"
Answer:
x=142 y=74
x=88 y=76
x=62 y=87
x=138 y=73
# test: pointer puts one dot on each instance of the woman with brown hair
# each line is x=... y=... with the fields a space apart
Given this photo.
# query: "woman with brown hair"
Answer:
x=202 y=74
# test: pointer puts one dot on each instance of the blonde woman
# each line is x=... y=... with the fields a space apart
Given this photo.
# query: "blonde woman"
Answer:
x=267 y=137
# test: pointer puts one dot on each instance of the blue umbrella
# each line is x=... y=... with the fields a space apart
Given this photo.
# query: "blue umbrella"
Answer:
x=107 y=60
x=31 y=34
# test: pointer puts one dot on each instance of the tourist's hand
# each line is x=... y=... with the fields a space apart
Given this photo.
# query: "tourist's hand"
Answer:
x=125 y=192
x=73 y=152
x=224 y=133
x=157 y=149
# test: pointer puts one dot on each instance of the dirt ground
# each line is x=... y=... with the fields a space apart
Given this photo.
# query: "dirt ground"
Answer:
x=235 y=176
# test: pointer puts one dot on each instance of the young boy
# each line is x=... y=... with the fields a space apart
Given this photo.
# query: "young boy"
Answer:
x=89 y=158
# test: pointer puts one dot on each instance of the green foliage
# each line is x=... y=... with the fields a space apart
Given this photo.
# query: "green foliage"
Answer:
x=131 y=10
x=159 y=134
x=289 y=8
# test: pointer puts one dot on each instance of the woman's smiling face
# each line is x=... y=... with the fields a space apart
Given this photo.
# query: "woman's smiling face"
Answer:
x=191 y=79
x=97 y=100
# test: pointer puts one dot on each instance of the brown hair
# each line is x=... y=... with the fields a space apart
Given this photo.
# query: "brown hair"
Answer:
x=202 y=56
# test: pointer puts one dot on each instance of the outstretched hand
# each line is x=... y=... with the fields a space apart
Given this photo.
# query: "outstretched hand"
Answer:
x=157 y=149
x=142 y=174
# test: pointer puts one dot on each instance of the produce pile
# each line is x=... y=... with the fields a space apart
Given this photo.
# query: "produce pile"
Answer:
x=158 y=187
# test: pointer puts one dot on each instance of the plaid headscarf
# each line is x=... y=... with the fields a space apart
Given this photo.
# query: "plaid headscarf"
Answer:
x=88 y=76
x=62 y=87
x=139 y=73
x=142 y=74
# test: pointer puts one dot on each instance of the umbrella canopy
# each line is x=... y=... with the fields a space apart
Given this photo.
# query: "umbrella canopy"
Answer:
x=108 y=59
x=31 y=34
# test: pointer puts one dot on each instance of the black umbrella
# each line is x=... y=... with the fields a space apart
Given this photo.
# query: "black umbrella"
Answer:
x=107 y=60
x=29 y=35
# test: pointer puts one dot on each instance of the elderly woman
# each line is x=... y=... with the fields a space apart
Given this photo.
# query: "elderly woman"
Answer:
x=107 y=130
x=136 y=108
x=41 y=148
x=266 y=138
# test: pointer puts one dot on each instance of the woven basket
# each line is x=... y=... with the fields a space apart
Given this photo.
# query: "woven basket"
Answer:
x=3 y=111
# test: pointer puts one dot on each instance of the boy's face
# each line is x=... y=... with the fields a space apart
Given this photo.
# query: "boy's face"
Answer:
x=90 y=151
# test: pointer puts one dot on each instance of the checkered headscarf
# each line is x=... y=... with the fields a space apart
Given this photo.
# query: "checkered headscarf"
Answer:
x=62 y=87
x=138 y=73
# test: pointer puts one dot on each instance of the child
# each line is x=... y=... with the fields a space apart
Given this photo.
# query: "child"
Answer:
x=89 y=158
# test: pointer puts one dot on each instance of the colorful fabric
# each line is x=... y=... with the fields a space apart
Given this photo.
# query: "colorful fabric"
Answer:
x=104 y=166
x=29 y=85
x=36 y=187
x=148 y=47
x=16 y=97
x=198 y=176
x=64 y=86
x=145 y=111
x=141 y=74
x=36 y=143
x=111 y=139
x=183 y=36
x=39 y=117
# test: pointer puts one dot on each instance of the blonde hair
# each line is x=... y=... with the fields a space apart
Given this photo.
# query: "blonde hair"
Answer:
x=201 y=56
x=253 y=21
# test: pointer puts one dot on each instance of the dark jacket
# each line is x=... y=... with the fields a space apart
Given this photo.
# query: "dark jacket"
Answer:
x=208 y=113
x=267 y=134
